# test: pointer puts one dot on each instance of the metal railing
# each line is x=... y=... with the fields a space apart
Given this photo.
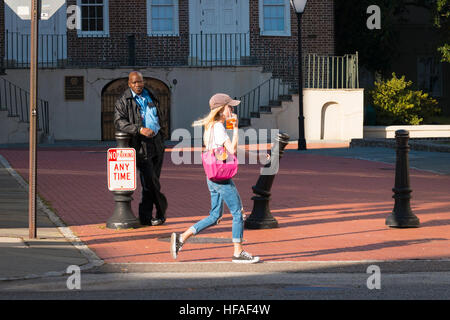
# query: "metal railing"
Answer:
x=143 y=50
x=331 y=72
x=16 y=100
x=219 y=49
x=319 y=72
x=52 y=50
x=123 y=49
x=264 y=95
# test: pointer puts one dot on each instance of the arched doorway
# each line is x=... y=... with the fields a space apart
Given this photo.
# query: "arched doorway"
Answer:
x=113 y=90
x=331 y=122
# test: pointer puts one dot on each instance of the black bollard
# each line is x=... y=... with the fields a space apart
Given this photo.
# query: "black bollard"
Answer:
x=123 y=217
x=402 y=216
x=261 y=218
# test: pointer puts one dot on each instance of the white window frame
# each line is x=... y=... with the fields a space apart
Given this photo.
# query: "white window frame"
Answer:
x=287 y=21
x=175 y=31
x=105 y=31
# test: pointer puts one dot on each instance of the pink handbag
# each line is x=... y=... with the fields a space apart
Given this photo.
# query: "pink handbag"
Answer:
x=219 y=164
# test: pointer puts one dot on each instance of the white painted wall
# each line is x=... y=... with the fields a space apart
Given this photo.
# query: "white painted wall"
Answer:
x=81 y=120
x=330 y=115
x=419 y=131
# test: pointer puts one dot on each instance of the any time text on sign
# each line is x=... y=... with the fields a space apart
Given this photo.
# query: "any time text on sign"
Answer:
x=121 y=169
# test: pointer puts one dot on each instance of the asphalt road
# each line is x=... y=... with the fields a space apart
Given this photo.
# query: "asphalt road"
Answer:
x=233 y=286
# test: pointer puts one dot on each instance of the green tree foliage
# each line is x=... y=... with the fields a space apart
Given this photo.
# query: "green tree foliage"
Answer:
x=377 y=47
x=442 y=21
x=397 y=104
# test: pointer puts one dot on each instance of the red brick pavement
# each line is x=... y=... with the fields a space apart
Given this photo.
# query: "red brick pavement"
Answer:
x=328 y=209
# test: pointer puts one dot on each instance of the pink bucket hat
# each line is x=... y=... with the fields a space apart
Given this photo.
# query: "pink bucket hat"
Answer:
x=221 y=99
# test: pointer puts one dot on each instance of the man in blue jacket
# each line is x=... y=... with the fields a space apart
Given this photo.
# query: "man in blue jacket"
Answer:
x=137 y=112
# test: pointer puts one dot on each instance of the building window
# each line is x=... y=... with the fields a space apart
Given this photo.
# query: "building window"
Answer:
x=162 y=17
x=94 y=17
x=429 y=75
x=274 y=17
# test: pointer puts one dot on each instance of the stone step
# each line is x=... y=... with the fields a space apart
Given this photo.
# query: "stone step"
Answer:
x=285 y=97
x=265 y=109
x=244 y=122
x=275 y=103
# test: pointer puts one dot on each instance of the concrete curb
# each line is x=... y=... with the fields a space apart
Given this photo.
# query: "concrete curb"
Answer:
x=419 y=144
x=93 y=259
x=388 y=266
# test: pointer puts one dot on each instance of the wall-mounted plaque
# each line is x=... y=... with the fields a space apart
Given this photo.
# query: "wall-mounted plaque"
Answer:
x=74 y=88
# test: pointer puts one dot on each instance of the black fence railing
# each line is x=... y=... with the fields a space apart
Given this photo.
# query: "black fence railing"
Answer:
x=203 y=50
x=17 y=101
x=219 y=49
x=263 y=96
x=52 y=50
x=122 y=49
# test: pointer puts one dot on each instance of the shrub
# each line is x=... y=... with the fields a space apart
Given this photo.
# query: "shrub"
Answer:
x=396 y=103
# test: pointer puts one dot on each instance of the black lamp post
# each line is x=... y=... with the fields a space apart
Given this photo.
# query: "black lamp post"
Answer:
x=299 y=7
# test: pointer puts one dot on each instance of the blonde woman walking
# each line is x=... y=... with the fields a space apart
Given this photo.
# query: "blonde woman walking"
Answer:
x=215 y=136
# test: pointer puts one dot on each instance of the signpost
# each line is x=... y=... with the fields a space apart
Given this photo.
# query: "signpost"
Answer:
x=121 y=173
x=33 y=115
x=40 y=9
x=121 y=169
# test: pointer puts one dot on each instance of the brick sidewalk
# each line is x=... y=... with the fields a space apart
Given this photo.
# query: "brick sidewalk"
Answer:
x=328 y=209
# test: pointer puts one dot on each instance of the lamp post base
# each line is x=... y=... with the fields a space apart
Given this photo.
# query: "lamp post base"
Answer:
x=261 y=218
x=301 y=145
x=402 y=222
x=123 y=217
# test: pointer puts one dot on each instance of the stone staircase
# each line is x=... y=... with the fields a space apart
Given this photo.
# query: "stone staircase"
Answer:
x=273 y=104
x=14 y=115
x=319 y=72
x=12 y=130
x=262 y=100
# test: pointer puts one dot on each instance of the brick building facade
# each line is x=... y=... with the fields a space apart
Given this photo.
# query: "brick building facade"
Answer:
x=128 y=21
x=186 y=66
x=127 y=41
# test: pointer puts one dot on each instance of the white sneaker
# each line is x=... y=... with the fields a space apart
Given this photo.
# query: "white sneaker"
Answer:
x=245 y=257
x=175 y=244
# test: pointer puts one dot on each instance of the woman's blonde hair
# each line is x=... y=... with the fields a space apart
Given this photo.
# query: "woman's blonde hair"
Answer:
x=208 y=121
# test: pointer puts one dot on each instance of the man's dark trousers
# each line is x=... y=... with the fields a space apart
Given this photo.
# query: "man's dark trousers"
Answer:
x=150 y=171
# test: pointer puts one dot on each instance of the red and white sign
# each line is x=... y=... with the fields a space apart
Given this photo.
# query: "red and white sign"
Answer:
x=121 y=169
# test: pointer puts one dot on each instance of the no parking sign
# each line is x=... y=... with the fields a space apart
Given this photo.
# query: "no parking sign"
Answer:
x=121 y=169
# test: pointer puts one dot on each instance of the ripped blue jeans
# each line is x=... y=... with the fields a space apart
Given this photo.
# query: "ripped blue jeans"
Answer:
x=223 y=192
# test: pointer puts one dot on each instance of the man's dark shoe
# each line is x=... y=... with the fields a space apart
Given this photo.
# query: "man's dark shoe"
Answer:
x=158 y=221
x=145 y=221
